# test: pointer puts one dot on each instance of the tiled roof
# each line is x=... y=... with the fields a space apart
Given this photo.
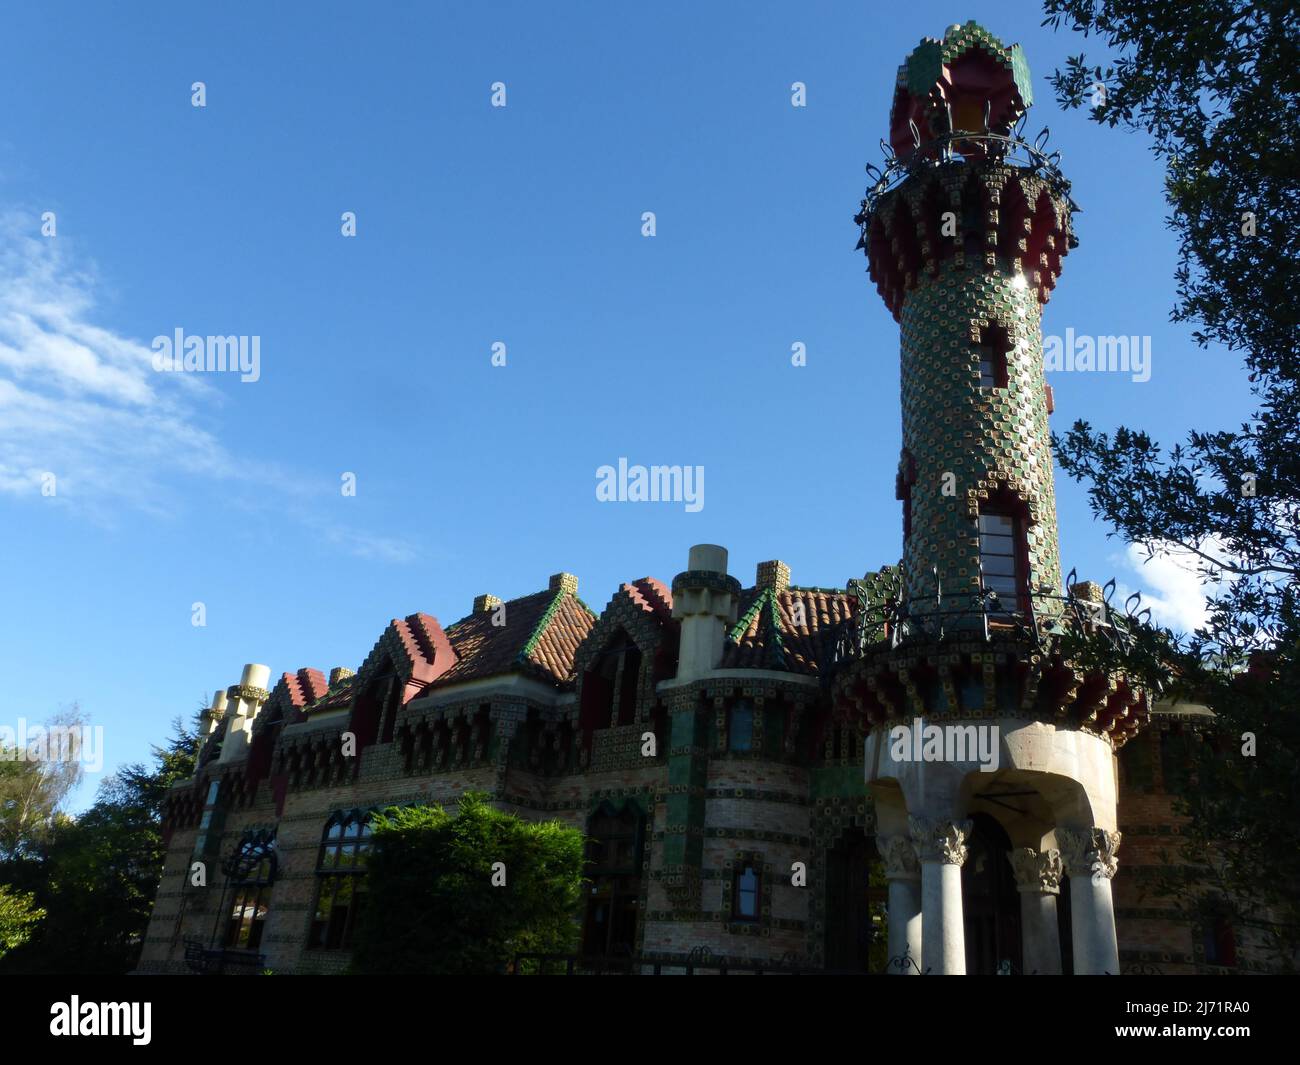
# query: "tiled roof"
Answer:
x=540 y=635
x=766 y=635
x=336 y=697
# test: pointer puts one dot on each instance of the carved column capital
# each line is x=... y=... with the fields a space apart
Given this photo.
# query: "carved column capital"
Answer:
x=939 y=840
x=899 y=857
x=1089 y=852
x=1036 y=874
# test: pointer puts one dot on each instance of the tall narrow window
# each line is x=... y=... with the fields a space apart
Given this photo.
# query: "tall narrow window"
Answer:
x=740 y=727
x=744 y=903
x=251 y=870
x=614 y=857
x=1220 y=943
x=1001 y=568
x=340 y=875
x=993 y=347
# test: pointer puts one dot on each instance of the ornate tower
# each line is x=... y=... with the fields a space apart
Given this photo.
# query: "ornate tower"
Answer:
x=965 y=233
x=989 y=729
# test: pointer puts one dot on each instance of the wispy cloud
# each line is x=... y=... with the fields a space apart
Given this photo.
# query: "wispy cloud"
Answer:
x=82 y=402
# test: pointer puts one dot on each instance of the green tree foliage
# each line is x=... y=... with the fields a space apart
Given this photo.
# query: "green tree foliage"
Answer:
x=1216 y=84
x=431 y=904
x=33 y=789
x=95 y=875
x=18 y=916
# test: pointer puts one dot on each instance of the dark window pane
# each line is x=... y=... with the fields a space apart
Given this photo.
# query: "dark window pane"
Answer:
x=741 y=732
x=747 y=893
x=998 y=565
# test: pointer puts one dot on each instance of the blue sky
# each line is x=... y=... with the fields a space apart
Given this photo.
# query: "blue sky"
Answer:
x=475 y=225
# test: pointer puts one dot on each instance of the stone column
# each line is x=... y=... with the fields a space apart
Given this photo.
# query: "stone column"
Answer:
x=1038 y=879
x=1089 y=856
x=941 y=848
x=904 y=876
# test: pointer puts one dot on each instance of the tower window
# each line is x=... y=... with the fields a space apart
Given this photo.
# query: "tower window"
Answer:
x=740 y=727
x=1001 y=557
x=744 y=903
x=993 y=348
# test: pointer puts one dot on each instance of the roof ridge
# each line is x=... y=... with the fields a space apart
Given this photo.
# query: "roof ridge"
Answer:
x=776 y=649
x=741 y=626
x=506 y=603
x=540 y=628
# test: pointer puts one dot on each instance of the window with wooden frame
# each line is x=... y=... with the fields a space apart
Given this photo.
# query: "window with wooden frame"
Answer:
x=1003 y=556
x=340 y=880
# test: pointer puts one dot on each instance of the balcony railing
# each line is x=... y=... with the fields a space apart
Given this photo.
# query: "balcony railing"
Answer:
x=1010 y=149
x=1037 y=620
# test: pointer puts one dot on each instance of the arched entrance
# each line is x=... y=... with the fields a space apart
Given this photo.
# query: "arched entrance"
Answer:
x=990 y=901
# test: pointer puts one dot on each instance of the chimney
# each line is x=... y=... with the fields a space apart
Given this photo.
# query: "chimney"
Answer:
x=774 y=575
x=213 y=715
x=485 y=603
x=245 y=700
x=564 y=582
x=339 y=674
x=704 y=601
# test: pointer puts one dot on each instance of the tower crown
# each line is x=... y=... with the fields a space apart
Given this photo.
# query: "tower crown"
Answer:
x=968 y=82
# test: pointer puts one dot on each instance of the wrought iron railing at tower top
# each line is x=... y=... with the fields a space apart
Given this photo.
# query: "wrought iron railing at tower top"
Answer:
x=1010 y=149
x=1035 y=620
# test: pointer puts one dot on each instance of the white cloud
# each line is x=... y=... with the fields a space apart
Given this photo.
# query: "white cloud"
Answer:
x=84 y=403
x=1172 y=586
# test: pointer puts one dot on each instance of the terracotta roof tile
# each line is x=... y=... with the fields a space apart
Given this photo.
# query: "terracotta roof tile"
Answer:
x=540 y=635
x=792 y=630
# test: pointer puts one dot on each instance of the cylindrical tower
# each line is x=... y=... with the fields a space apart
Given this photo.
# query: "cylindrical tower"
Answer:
x=965 y=233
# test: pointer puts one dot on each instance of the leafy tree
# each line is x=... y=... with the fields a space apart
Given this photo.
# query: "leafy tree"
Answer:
x=96 y=875
x=1215 y=84
x=431 y=905
x=18 y=916
x=33 y=789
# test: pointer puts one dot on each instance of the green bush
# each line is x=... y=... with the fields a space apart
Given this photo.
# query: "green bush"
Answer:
x=432 y=906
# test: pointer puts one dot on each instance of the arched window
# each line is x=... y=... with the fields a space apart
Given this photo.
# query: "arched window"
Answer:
x=250 y=872
x=610 y=687
x=340 y=880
